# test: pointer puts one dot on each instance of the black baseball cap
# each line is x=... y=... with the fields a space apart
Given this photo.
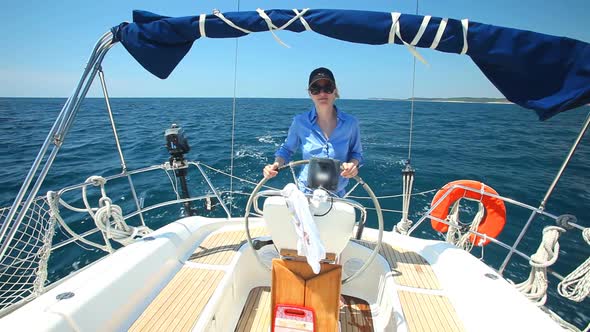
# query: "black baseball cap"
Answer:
x=321 y=74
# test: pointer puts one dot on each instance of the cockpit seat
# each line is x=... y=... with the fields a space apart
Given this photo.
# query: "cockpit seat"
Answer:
x=334 y=219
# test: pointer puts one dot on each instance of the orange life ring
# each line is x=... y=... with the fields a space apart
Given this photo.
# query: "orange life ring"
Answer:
x=495 y=212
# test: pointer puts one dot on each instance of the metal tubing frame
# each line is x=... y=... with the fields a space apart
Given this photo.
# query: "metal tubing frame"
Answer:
x=117 y=142
x=111 y=118
x=549 y=191
x=56 y=135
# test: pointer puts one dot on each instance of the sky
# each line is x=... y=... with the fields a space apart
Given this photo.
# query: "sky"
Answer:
x=45 y=46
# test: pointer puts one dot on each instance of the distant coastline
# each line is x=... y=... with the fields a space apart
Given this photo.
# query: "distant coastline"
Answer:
x=472 y=100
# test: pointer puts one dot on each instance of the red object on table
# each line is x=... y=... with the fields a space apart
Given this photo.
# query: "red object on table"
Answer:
x=293 y=318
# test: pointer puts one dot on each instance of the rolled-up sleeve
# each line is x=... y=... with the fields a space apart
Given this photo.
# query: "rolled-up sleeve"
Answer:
x=356 y=148
x=291 y=143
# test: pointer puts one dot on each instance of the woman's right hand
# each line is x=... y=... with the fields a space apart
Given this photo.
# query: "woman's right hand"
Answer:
x=270 y=171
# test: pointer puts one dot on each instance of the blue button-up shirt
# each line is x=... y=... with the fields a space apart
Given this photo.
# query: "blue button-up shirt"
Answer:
x=344 y=143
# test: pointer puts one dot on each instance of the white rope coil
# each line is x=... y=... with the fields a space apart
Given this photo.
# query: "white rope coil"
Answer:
x=54 y=202
x=576 y=285
x=535 y=287
x=108 y=217
x=455 y=235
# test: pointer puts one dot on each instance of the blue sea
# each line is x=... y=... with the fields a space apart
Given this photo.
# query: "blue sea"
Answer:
x=502 y=145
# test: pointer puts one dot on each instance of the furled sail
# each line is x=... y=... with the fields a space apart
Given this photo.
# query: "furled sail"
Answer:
x=545 y=73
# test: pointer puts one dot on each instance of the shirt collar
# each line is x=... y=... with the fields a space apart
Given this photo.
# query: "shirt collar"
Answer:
x=313 y=114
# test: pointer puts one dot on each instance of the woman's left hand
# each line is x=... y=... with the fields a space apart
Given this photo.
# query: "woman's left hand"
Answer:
x=349 y=170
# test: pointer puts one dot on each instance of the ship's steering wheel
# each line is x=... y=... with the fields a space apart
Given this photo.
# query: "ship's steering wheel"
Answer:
x=254 y=196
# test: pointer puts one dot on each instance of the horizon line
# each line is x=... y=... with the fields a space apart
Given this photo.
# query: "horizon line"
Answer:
x=231 y=97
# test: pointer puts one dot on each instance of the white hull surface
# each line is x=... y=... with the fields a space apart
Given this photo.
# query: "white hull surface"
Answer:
x=114 y=293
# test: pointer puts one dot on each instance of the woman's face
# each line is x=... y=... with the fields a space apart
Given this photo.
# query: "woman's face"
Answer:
x=323 y=93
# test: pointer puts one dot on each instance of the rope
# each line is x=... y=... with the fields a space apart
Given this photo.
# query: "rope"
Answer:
x=108 y=217
x=53 y=202
x=455 y=235
x=271 y=26
x=576 y=285
x=535 y=287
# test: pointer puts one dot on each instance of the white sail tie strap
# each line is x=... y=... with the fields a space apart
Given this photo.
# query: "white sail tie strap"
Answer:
x=309 y=243
x=421 y=30
x=298 y=16
x=228 y=22
x=535 y=287
x=394 y=20
x=439 y=33
x=265 y=17
x=271 y=26
x=576 y=285
x=395 y=31
x=303 y=21
x=202 y=18
x=465 y=24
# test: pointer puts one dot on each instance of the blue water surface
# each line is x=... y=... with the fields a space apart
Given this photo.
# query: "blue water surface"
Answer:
x=501 y=145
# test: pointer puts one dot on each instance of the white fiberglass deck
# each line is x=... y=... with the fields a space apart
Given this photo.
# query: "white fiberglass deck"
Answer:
x=196 y=274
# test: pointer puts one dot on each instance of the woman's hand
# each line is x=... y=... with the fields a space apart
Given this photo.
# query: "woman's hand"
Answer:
x=349 y=170
x=270 y=171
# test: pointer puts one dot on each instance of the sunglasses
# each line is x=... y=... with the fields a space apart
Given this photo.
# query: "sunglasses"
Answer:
x=316 y=89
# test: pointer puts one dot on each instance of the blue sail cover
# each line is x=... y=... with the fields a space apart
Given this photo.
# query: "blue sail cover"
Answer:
x=545 y=73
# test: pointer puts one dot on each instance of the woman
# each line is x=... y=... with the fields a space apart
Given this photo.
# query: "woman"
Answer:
x=323 y=132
